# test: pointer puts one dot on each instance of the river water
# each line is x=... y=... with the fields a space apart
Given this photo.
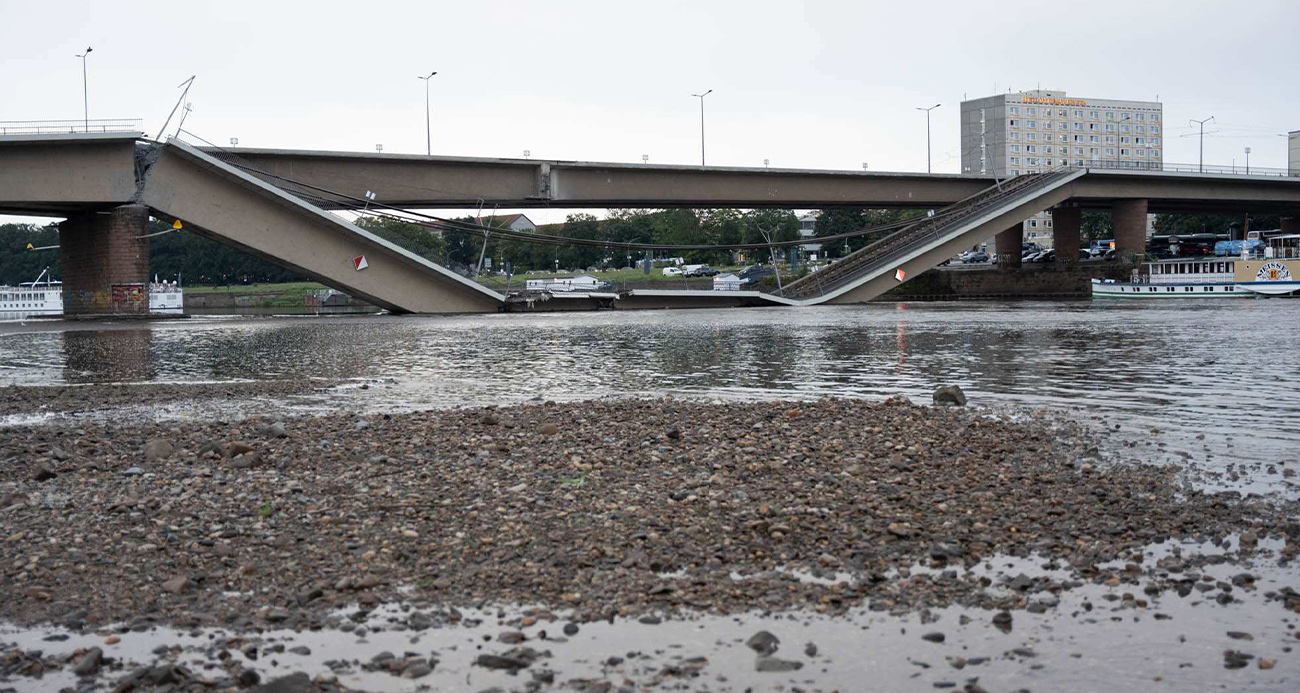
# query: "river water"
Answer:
x=1207 y=384
x=1214 y=382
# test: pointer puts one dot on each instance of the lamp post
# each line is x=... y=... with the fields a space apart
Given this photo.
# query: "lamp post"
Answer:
x=927 y=134
x=645 y=158
x=428 y=128
x=701 y=98
x=85 y=90
x=1201 y=165
x=234 y=141
x=1248 y=161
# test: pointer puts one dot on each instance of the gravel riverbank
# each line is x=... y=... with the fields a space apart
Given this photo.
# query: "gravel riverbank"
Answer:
x=628 y=508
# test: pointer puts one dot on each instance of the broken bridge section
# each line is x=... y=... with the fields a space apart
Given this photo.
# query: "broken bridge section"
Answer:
x=877 y=268
x=232 y=207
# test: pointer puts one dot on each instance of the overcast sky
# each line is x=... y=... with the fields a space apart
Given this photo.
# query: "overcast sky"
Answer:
x=817 y=84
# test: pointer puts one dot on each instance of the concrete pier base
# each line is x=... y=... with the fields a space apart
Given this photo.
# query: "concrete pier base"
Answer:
x=1066 y=222
x=105 y=263
x=1129 y=217
x=1008 y=246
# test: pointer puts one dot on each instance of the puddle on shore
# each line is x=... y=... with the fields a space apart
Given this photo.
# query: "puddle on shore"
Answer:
x=1088 y=640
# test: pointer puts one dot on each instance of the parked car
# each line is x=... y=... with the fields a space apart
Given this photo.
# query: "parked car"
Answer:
x=976 y=258
x=753 y=277
x=1084 y=255
x=672 y=272
x=701 y=271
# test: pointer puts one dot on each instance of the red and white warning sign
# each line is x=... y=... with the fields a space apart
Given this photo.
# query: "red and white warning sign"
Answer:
x=359 y=263
x=900 y=274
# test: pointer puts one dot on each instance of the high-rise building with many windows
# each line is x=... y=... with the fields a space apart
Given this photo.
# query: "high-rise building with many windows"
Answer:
x=1031 y=131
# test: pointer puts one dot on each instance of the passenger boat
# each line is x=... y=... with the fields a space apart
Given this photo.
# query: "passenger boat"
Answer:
x=44 y=298
x=1266 y=269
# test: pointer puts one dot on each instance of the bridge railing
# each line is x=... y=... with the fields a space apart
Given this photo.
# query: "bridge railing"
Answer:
x=67 y=127
x=1167 y=167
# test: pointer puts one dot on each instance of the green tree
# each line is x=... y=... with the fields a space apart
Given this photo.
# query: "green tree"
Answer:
x=17 y=263
x=1095 y=226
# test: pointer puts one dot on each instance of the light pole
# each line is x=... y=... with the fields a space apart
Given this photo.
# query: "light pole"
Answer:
x=1248 y=161
x=1201 y=166
x=234 y=141
x=428 y=129
x=85 y=90
x=927 y=134
x=645 y=158
x=701 y=98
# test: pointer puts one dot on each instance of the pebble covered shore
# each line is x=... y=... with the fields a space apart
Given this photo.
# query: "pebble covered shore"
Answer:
x=605 y=509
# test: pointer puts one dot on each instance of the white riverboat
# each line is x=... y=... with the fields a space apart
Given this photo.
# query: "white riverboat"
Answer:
x=44 y=298
x=1271 y=269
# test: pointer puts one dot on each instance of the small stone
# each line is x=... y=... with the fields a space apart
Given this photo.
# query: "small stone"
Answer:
x=248 y=677
x=177 y=584
x=773 y=664
x=158 y=449
x=299 y=682
x=302 y=650
x=132 y=471
x=810 y=650
x=276 y=430
x=417 y=671
x=570 y=629
x=950 y=395
x=112 y=640
x=511 y=637
x=763 y=643
x=933 y=637
x=43 y=473
x=1267 y=663
x=549 y=429
x=89 y=663
x=1240 y=635
x=491 y=661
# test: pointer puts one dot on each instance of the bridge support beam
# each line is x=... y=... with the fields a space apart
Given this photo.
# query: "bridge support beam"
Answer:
x=1066 y=222
x=1008 y=245
x=105 y=262
x=1129 y=217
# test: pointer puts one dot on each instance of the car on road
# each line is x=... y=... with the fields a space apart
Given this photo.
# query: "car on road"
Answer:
x=976 y=258
x=700 y=271
x=672 y=272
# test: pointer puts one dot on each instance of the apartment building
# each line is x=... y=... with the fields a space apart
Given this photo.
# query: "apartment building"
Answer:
x=1031 y=131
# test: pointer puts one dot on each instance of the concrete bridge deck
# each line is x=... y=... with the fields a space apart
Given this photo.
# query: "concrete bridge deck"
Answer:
x=107 y=183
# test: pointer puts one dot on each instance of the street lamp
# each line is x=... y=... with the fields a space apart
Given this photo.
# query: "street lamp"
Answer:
x=1248 y=161
x=528 y=153
x=701 y=98
x=864 y=166
x=428 y=129
x=927 y=134
x=85 y=90
x=645 y=158
x=234 y=141
x=765 y=162
x=379 y=148
x=1201 y=166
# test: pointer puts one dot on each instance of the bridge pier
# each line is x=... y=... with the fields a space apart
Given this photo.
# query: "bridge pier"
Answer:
x=105 y=262
x=1066 y=222
x=1129 y=218
x=1008 y=245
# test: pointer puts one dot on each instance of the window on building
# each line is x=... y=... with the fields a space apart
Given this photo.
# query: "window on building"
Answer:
x=1110 y=115
x=1123 y=128
x=1033 y=136
x=1015 y=110
x=1140 y=152
x=1155 y=141
x=1110 y=151
x=1123 y=140
x=1032 y=124
x=1078 y=126
x=1031 y=148
x=1047 y=223
x=1015 y=147
x=1092 y=114
x=1033 y=223
x=1155 y=129
x=1138 y=140
x=1155 y=154
x=1013 y=123
x=1015 y=160
x=1123 y=151
x=1031 y=111
x=1078 y=162
x=1142 y=116
x=1141 y=128
x=1110 y=139
x=1094 y=151
x=1065 y=138
x=1014 y=135
x=1078 y=114
x=1033 y=161
x=1110 y=127
x=1015 y=171
x=1078 y=150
